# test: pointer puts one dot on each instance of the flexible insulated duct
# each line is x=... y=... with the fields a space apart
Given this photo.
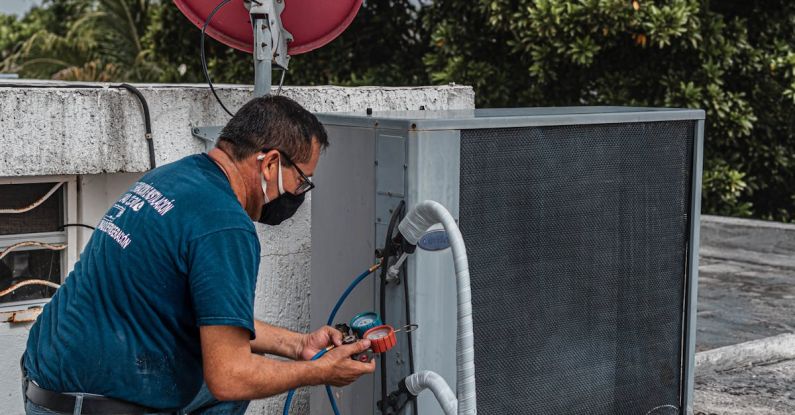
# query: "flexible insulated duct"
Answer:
x=425 y=379
x=412 y=227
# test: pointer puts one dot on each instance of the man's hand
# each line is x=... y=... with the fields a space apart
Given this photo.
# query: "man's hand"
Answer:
x=312 y=343
x=339 y=369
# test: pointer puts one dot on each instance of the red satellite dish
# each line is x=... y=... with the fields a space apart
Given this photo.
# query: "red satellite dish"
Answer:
x=313 y=23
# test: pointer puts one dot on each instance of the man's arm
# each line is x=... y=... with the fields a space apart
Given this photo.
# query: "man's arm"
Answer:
x=282 y=342
x=276 y=340
x=233 y=372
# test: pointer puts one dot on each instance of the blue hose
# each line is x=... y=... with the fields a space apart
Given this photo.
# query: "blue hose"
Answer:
x=347 y=292
x=319 y=354
x=292 y=391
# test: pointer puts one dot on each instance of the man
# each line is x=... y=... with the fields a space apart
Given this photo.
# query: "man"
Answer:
x=157 y=316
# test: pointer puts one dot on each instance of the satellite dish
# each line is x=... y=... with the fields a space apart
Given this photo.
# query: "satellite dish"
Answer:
x=312 y=23
x=270 y=30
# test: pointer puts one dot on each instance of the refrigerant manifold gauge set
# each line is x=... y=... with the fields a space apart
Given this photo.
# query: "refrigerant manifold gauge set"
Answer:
x=368 y=325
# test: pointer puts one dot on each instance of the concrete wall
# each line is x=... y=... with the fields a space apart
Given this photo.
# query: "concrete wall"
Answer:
x=98 y=135
x=84 y=131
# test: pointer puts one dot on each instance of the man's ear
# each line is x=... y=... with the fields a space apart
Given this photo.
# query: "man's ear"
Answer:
x=269 y=163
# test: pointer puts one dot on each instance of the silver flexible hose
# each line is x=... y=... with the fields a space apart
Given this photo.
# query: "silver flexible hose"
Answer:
x=412 y=227
x=425 y=379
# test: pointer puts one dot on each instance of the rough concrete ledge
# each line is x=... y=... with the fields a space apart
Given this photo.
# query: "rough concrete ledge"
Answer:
x=751 y=378
x=51 y=128
x=747 y=354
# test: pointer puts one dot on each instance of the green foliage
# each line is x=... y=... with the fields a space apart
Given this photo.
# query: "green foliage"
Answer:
x=733 y=58
x=173 y=43
x=13 y=31
x=384 y=45
x=83 y=40
x=723 y=187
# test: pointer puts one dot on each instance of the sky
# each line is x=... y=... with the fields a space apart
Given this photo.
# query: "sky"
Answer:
x=17 y=7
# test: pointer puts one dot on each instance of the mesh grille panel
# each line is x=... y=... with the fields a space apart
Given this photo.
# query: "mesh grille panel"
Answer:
x=576 y=237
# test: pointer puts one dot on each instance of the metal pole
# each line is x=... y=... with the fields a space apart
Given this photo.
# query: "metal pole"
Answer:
x=263 y=57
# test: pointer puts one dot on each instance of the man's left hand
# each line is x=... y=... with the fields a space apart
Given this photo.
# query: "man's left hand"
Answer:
x=312 y=343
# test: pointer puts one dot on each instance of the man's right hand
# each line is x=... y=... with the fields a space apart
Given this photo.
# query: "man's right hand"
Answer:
x=234 y=373
x=339 y=369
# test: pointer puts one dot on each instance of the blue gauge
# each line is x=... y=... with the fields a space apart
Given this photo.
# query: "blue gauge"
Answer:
x=365 y=321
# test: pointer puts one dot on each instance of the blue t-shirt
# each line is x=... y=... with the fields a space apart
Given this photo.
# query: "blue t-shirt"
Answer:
x=176 y=251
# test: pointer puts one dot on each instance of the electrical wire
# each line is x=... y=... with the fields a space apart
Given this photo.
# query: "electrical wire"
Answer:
x=75 y=225
x=147 y=123
x=204 y=59
x=21 y=284
x=281 y=82
x=407 y=305
x=35 y=204
x=147 y=119
x=397 y=213
x=329 y=322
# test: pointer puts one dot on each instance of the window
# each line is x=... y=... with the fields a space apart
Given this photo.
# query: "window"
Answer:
x=36 y=250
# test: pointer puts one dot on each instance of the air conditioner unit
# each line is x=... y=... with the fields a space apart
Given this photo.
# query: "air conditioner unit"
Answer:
x=581 y=228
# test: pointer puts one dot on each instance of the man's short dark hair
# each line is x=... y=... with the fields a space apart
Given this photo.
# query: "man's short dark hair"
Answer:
x=273 y=122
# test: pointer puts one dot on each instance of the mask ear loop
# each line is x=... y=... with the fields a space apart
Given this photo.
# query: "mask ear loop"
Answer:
x=281 y=184
x=262 y=181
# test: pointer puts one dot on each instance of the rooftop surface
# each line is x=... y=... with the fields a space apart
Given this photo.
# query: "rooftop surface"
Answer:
x=746 y=318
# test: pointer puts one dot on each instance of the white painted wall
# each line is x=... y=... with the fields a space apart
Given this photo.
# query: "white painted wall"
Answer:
x=97 y=134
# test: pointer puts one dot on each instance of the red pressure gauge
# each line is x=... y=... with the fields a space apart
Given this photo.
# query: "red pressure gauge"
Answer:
x=382 y=338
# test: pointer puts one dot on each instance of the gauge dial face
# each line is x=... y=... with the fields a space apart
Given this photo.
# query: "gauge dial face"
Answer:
x=363 y=321
x=382 y=338
x=378 y=334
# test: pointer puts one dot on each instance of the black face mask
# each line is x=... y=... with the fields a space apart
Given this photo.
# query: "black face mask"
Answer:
x=281 y=209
